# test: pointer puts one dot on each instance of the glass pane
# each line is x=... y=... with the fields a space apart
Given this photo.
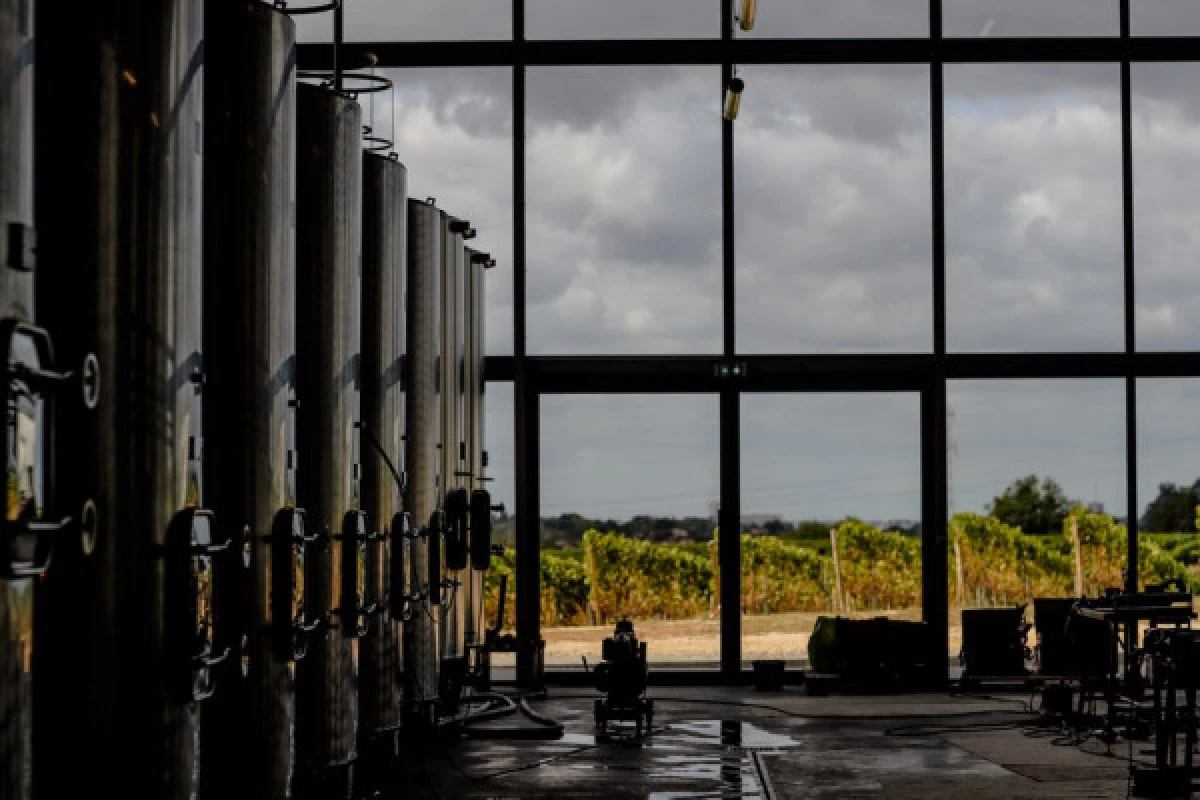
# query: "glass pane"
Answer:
x=453 y=128
x=1164 y=17
x=834 y=211
x=412 y=21
x=1031 y=17
x=1166 y=153
x=819 y=469
x=1168 y=469
x=622 y=19
x=629 y=486
x=1034 y=241
x=840 y=19
x=1037 y=469
x=498 y=433
x=624 y=210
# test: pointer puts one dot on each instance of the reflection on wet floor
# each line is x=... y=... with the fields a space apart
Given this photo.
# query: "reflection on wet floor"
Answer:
x=748 y=752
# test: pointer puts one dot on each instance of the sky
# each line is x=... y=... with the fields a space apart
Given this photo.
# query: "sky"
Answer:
x=833 y=229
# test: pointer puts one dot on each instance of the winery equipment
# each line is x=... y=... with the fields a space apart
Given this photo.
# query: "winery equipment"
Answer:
x=455 y=495
x=994 y=642
x=480 y=512
x=28 y=531
x=380 y=685
x=329 y=230
x=422 y=460
x=119 y=289
x=250 y=395
x=622 y=677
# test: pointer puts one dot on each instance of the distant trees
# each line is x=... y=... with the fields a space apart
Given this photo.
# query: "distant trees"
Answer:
x=1034 y=508
x=1173 y=511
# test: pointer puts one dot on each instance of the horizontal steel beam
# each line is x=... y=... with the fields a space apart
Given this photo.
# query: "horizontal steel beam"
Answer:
x=758 y=51
x=817 y=373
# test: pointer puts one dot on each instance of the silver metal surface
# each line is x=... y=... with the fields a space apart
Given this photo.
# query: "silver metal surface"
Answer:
x=328 y=295
x=422 y=457
x=385 y=222
x=454 y=618
x=81 y=206
x=16 y=300
x=474 y=387
x=136 y=459
x=250 y=353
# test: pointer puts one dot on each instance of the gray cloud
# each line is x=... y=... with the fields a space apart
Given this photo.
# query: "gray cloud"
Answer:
x=833 y=247
x=1071 y=430
x=413 y=20
x=830 y=456
x=619 y=456
x=1033 y=217
x=1030 y=17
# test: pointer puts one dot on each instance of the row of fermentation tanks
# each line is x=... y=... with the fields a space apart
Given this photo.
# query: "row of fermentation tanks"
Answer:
x=246 y=521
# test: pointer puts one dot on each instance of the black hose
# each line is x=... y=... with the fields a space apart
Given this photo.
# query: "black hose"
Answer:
x=544 y=728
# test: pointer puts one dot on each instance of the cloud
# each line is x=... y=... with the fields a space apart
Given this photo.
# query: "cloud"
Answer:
x=1071 y=430
x=833 y=239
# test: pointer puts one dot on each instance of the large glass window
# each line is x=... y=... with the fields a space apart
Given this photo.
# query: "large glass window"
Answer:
x=1166 y=141
x=834 y=221
x=412 y=20
x=622 y=19
x=629 y=485
x=624 y=210
x=841 y=19
x=1168 y=479
x=452 y=127
x=1168 y=467
x=821 y=472
x=1034 y=221
x=1037 y=491
x=1031 y=17
x=1164 y=17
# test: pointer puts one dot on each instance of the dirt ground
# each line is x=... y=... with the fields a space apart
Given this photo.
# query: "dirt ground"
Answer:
x=694 y=642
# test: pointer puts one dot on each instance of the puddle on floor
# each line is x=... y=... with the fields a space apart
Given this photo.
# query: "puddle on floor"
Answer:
x=725 y=733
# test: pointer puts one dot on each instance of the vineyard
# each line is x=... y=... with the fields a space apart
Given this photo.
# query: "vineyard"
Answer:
x=860 y=568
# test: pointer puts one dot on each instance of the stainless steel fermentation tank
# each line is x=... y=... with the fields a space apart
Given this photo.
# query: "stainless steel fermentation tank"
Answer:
x=22 y=551
x=479 y=520
x=328 y=293
x=380 y=682
x=423 y=461
x=120 y=292
x=454 y=493
x=250 y=398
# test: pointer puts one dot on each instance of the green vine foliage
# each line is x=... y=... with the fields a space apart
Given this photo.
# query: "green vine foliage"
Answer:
x=614 y=575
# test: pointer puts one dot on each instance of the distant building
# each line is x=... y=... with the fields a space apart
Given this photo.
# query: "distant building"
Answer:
x=750 y=522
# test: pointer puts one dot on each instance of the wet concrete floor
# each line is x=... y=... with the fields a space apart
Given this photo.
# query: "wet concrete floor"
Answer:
x=734 y=743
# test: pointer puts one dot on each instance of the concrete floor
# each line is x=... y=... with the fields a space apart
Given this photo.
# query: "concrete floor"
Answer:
x=727 y=743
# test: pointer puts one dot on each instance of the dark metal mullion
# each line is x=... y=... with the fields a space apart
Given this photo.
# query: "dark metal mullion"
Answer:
x=526 y=413
x=1109 y=49
x=934 y=455
x=1131 y=453
x=729 y=549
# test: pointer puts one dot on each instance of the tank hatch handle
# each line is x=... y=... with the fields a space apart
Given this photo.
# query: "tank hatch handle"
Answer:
x=457 y=510
x=27 y=537
x=400 y=600
x=481 y=530
x=353 y=609
x=433 y=532
x=291 y=627
x=190 y=639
